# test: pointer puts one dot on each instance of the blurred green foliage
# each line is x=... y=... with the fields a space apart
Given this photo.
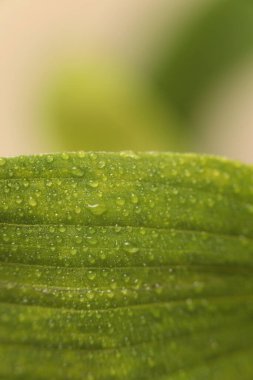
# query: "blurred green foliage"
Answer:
x=100 y=107
x=216 y=40
x=96 y=106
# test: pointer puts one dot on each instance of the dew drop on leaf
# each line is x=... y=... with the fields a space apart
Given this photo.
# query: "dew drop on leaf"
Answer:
x=65 y=156
x=97 y=208
x=62 y=229
x=18 y=200
x=32 y=202
x=90 y=295
x=73 y=251
x=77 y=172
x=91 y=275
x=120 y=201
x=129 y=248
x=93 y=184
x=134 y=198
x=78 y=239
x=117 y=228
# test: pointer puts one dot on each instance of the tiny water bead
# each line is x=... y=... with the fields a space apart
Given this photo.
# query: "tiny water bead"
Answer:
x=73 y=251
x=93 y=184
x=134 y=198
x=78 y=210
x=130 y=248
x=32 y=202
x=97 y=208
x=78 y=239
x=117 y=228
x=91 y=275
x=77 y=172
x=120 y=201
x=62 y=228
x=81 y=154
x=65 y=156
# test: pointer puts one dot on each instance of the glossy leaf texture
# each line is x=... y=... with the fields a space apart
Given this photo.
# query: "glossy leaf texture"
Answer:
x=126 y=266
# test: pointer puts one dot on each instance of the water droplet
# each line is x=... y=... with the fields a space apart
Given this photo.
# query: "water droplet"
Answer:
x=26 y=184
x=49 y=183
x=97 y=208
x=124 y=291
x=78 y=239
x=65 y=156
x=91 y=275
x=73 y=251
x=102 y=256
x=77 y=172
x=32 y=202
x=58 y=239
x=118 y=228
x=62 y=229
x=120 y=201
x=134 y=198
x=129 y=248
x=91 y=240
x=151 y=203
x=125 y=212
x=90 y=295
x=142 y=231
x=93 y=184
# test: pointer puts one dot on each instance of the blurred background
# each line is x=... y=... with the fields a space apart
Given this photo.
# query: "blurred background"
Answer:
x=135 y=75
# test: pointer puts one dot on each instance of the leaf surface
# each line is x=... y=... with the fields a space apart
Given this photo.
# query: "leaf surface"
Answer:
x=126 y=266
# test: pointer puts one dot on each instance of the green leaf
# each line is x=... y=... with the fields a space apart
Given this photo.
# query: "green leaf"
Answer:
x=126 y=266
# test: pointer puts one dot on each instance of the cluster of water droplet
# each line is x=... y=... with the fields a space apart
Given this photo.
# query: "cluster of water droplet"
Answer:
x=110 y=252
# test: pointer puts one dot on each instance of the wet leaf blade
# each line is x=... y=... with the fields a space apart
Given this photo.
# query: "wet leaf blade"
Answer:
x=125 y=266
